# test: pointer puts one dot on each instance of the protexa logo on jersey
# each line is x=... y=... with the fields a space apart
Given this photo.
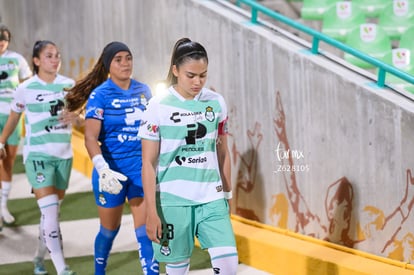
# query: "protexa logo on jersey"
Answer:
x=181 y=160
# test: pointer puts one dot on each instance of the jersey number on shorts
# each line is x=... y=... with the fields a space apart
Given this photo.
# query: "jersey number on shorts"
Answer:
x=167 y=231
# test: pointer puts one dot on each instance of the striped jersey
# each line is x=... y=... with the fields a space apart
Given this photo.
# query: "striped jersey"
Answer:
x=13 y=68
x=42 y=103
x=120 y=112
x=188 y=171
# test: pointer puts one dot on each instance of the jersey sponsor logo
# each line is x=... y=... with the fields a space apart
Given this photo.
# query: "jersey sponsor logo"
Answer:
x=130 y=129
x=10 y=66
x=132 y=115
x=122 y=138
x=181 y=160
x=116 y=103
x=175 y=117
x=209 y=114
x=39 y=97
x=192 y=149
x=195 y=131
x=56 y=106
x=49 y=128
x=4 y=75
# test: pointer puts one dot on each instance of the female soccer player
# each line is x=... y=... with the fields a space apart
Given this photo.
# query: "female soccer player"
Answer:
x=47 y=152
x=114 y=107
x=13 y=70
x=186 y=167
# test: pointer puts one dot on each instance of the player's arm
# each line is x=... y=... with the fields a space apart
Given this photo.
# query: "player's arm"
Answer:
x=223 y=155
x=150 y=153
x=92 y=129
x=8 y=129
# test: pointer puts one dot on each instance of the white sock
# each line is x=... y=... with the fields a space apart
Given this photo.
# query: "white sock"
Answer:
x=180 y=268
x=6 y=186
x=49 y=208
x=41 y=246
x=224 y=260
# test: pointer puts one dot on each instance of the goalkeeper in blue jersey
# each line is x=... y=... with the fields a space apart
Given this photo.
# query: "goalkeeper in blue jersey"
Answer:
x=186 y=167
x=114 y=106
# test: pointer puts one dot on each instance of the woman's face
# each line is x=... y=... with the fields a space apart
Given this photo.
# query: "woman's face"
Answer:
x=4 y=41
x=191 y=77
x=4 y=44
x=121 y=66
x=49 y=60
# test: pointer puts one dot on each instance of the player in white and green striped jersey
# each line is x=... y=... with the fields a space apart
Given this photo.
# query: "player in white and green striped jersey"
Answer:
x=47 y=151
x=186 y=167
x=13 y=70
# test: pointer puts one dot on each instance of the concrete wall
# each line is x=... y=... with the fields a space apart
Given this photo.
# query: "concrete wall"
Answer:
x=317 y=149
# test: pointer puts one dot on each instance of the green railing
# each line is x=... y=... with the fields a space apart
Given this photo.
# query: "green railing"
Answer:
x=318 y=36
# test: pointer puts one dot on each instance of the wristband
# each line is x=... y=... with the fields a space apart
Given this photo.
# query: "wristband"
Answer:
x=1 y=146
x=228 y=195
x=99 y=162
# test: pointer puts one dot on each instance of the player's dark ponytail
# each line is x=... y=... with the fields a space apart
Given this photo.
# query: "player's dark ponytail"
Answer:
x=183 y=50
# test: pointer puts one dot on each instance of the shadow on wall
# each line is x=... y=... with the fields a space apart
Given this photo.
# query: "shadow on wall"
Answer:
x=248 y=179
x=374 y=232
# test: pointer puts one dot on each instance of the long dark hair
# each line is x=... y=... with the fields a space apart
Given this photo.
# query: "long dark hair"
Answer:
x=184 y=49
x=37 y=49
x=5 y=29
x=79 y=94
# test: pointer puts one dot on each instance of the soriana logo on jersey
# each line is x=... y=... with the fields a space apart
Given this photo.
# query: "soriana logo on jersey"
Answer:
x=368 y=32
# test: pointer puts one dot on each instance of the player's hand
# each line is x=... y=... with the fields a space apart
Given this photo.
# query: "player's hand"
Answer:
x=3 y=152
x=109 y=181
x=154 y=228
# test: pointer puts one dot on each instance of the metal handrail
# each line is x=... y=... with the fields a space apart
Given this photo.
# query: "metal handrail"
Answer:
x=318 y=36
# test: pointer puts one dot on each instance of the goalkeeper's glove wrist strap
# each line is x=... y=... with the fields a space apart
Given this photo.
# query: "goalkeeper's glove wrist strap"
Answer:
x=99 y=162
